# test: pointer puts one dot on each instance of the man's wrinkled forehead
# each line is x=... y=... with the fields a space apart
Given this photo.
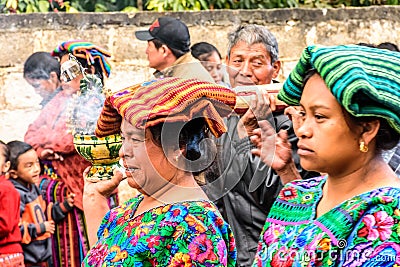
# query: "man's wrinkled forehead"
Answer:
x=253 y=34
x=253 y=51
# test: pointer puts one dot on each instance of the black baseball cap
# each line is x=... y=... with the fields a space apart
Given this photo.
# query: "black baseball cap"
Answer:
x=171 y=31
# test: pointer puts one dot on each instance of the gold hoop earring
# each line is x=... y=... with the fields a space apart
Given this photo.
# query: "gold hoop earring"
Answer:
x=363 y=147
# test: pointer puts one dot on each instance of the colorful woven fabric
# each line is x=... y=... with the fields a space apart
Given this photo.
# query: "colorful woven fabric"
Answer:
x=361 y=231
x=364 y=80
x=69 y=240
x=167 y=100
x=190 y=233
x=86 y=50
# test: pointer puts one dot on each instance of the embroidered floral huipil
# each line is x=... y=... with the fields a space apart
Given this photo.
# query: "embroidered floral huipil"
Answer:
x=190 y=233
x=362 y=231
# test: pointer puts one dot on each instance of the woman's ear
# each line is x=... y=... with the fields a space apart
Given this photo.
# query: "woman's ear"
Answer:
x=370 y=130
x=6 y=167
x=54 y=79
x=53 y=76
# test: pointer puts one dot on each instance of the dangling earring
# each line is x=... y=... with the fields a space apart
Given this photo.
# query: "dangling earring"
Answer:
x=176 y=158
x=363 y=147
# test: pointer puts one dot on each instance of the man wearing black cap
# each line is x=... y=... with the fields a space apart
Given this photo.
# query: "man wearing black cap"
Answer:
x=168 y=47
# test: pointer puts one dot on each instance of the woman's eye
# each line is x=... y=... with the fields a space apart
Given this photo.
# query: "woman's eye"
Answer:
x=136 y=141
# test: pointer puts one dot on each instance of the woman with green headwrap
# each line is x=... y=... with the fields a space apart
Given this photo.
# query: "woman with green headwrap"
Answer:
x=347 y=111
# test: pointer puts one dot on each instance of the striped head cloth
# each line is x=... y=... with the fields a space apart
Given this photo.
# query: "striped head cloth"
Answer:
x=364 y=80
x=86 y=50
x=167 y=100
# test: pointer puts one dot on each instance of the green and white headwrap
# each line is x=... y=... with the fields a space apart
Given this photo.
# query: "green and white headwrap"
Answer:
x=364 y=80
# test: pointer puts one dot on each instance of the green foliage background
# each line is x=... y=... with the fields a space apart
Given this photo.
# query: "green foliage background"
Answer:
x=29 y=6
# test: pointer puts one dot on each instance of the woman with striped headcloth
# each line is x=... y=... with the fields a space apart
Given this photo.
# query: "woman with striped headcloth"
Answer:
x=164 y=125
x=52 y=139
x=347 y=112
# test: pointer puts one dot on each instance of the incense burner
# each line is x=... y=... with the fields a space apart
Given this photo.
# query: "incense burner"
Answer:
x=101 y=152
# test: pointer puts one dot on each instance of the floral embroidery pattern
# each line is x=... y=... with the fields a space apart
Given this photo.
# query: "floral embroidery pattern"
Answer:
x=362 y=231
x=181 y=234
x=377 y=225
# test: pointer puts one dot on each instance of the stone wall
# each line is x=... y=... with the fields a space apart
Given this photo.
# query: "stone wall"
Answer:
x=23 y=34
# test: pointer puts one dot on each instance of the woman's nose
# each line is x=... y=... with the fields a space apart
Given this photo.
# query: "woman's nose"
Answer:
x=214 y=73
x=121 y=153
x=126 y=150
x=302 y=128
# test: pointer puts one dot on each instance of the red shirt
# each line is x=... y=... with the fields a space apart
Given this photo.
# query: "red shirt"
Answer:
x=10 y=234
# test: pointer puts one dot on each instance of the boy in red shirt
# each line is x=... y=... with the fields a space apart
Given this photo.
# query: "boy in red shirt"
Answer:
x=37 y=219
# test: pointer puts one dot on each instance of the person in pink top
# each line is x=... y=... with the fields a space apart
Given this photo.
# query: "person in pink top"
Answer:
x=52 y=140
